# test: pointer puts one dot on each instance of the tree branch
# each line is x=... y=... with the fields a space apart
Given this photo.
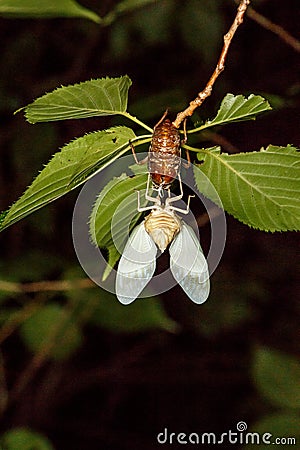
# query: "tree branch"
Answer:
x=39 y=359
x=274 y=28
x=219 y=68
x=39 y=286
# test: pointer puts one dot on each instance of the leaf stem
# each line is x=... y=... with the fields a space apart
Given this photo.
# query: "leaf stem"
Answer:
x=144 y=138
x=197 y=150
x=202 y=127
x=219 y=68
x=136 y=120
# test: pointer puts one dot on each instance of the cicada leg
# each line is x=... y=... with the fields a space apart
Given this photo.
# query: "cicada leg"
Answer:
x=143 y=161
x=187 y=165
x=155 y=200
x=177 y=198
x=163 y=117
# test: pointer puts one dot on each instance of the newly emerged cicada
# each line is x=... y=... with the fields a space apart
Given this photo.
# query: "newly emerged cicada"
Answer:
x=159 y=229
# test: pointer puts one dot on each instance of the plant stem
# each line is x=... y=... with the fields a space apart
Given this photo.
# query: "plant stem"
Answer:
x=181 y=116
x=274 y=28
x=61 y=285
x=196 y=150
x=136 y=120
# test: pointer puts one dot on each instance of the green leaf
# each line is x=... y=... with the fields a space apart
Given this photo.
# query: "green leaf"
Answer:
x=24 y=439
x=235 y=109
x=103 y=233
x=56 y=179
x=261 y=189
x=131 y=5
x=3 y=214
x=124 y=6
x=45 y=9
x=142 y=315
x=280 y=425
x=32 y=266
x=51 y=324
x=100 y=97
x=233 y=307
x=277 y=377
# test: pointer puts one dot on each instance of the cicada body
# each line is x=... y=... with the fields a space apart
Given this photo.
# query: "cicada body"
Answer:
x=187 y=262
x=164 y=154
x=162 y=227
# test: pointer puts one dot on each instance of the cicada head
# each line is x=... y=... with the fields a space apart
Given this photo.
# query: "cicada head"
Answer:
x=162 y=227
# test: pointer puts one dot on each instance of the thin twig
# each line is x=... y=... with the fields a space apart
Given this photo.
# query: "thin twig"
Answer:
x=219 y=68
x=274 y=28
x=16 y=319
x=42 y=355
x=54 y=338
x=3 y=387
x=40 y=286
x=220 y=140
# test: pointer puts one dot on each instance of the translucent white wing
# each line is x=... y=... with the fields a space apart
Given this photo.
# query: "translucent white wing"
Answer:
x=188 y=265
x=136 y=266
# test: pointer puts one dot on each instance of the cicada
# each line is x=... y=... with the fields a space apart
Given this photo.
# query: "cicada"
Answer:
x=164 y=156
x=159 y=229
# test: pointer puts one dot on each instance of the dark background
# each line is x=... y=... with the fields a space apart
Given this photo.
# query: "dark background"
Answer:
x=120 y=389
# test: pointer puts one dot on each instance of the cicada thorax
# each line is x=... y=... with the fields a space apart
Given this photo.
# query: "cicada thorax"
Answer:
x=162 y=227
x=164 y=154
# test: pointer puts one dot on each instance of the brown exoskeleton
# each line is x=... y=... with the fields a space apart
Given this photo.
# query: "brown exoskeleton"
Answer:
x=164 y=156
